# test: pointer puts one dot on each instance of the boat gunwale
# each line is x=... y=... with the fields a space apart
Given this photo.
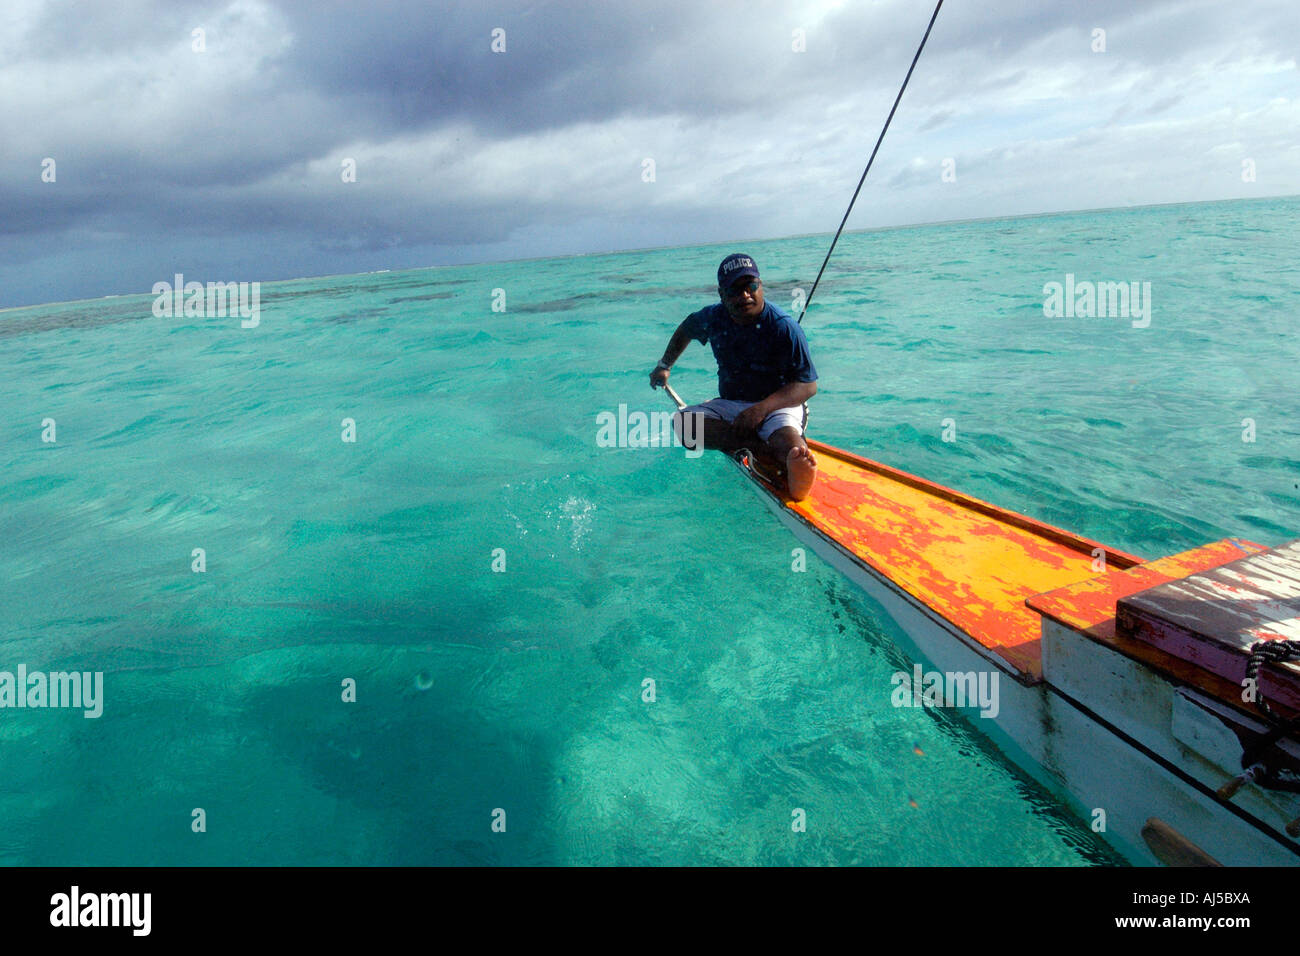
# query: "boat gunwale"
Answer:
x=780 y=502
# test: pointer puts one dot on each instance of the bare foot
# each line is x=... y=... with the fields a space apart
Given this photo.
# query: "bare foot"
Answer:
x=801 y=472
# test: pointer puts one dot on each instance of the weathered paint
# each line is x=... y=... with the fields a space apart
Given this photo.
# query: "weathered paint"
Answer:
x=1043 y=725
x=1212 y=618
x=971 y=562
x=1090 y=609
x=1181 y=724
x=1090 y=605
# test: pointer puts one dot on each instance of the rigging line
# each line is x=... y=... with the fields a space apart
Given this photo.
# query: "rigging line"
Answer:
x=898 y=99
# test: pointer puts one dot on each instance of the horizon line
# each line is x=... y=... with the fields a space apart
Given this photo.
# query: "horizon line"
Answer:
x=617 y=252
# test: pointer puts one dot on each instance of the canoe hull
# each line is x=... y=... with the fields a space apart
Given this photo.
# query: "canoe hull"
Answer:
x=1105 y=755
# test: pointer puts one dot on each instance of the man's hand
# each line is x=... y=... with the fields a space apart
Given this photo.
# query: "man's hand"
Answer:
x=659 y=378
x=750 y=418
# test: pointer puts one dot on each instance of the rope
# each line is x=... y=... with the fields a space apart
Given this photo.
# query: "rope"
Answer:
x=1276 y=778
x=1269 y=652
x=898 y=99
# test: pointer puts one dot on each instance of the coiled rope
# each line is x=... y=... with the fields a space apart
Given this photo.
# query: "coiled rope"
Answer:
x=1277 y=778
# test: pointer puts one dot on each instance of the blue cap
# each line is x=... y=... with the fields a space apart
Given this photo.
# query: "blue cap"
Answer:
x=735 y=266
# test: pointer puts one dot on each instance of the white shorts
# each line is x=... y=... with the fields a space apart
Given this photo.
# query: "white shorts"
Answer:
x=796 y=416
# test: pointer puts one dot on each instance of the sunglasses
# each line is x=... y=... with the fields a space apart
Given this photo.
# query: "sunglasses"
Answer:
x=738 y=289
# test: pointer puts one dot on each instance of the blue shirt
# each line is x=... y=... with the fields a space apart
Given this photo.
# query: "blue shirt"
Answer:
x=753 y=360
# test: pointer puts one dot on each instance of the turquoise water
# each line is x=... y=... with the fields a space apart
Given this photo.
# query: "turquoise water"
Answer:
x=522 y=690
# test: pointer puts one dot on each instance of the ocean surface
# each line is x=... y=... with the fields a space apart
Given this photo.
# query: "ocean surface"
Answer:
x=563 y=653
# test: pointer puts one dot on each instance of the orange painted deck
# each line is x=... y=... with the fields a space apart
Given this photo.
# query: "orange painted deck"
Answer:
x=1089 y=607
x=971 y=562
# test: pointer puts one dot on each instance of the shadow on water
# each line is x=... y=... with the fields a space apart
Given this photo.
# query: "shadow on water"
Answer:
x=284 y=770
x=421 y=768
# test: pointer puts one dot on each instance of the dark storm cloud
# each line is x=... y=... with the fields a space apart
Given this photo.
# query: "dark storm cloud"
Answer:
x=412 y=65
x=461 y=147
x=404 y=66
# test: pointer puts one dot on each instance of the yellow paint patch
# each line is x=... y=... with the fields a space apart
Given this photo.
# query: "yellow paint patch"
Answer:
x=974 y=568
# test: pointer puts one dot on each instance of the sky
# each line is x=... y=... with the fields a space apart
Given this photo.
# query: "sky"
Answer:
x=254 y=140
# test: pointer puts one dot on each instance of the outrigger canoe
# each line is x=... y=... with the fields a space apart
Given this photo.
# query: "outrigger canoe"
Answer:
x=1120 y=680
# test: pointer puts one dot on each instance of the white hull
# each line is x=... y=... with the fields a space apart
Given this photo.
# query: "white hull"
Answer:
x=1101 y=731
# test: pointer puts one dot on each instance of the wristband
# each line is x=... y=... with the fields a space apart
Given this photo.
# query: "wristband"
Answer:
x=663 y=365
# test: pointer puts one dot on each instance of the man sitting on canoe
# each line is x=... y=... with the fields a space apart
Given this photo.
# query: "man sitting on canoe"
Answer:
x=765 y=375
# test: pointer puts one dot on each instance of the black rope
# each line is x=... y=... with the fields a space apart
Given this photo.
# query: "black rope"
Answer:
x=1269 y=652
x=898 y=99
x=1273 y=777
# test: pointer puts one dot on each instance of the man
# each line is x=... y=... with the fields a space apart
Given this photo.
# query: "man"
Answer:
x=765 y=375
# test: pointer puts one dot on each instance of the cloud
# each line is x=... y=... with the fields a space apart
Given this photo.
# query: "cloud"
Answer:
x=463 y=152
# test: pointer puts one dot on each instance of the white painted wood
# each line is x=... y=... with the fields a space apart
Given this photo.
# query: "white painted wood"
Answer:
x=1048 y=729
